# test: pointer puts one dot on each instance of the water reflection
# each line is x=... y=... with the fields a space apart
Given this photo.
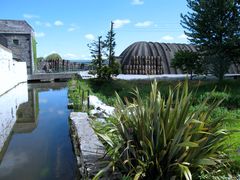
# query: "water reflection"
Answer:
x=27 y=113
x=38 y=145
x=9 y=103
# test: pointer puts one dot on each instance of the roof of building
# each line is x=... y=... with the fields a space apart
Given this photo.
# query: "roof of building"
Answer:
x=15 y=26
x=165 y=52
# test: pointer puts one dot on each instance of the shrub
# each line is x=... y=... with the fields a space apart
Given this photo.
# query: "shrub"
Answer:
x=162 y=138
x=53 y=57
x=188 y=62
x=107 y=72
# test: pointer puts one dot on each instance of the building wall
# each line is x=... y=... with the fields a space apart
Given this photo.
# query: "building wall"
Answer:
x=11 y=71
x=22 y=51
x=9 y=104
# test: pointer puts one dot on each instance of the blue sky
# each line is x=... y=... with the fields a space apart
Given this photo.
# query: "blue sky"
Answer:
x=67 y=26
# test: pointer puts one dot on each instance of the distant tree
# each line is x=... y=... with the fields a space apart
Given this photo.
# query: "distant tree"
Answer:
x=110 y=45
x=53 y=60
x=40 y=59
x=97 y=51
x=54 y=57
x=214 y=25
x=187 y=61
x=113 y=68
x=106 y=48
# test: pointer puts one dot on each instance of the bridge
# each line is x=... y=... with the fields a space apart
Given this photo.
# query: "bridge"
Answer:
x=62 y=70
x=57 y=76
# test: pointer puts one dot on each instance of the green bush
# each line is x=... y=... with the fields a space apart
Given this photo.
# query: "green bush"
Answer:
x=162 y=138
x=53 y=57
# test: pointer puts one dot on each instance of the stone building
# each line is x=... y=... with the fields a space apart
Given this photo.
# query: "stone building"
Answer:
x=151 y=57
x=18 y=36
x=155 y=58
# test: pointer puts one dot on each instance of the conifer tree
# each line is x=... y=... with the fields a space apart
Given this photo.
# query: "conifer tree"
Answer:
x=96 y=50
x=110 y=44
x=214 y=26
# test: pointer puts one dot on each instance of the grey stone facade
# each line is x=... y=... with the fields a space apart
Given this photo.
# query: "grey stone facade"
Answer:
x=19 y=35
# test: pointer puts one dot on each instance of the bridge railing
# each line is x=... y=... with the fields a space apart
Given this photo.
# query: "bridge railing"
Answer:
x=61 y=66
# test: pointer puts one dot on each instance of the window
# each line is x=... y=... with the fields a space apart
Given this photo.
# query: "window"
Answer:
x=16 y=42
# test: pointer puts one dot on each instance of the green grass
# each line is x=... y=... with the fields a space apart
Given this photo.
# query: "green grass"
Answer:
x=229 y=89
x=106 y=89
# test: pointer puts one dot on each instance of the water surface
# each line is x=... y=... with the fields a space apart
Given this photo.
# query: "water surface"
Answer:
x=39 y=145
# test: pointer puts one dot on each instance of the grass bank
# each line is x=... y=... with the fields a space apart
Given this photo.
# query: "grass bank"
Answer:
x=229 y=91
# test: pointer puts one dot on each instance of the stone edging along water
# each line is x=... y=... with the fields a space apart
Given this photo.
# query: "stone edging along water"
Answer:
x=88 y=149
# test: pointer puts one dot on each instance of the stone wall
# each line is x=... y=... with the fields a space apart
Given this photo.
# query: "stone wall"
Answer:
x=12 y=72
x=22 y=51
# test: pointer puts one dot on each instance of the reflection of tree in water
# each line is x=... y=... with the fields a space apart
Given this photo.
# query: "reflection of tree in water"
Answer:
x=27 y=114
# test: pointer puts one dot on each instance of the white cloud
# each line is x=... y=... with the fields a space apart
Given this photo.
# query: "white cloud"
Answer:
x=89 y=37
x=73 y=27
x=137 y=2
x=46 y=24
x=167 y=38
x=144 y=24
x=39 y=34
x=118 y=23
x=182 y=36
x=30 y=16
x=58 y=23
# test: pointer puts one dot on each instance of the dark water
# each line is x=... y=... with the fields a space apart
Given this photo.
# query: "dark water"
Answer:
x=39 y=146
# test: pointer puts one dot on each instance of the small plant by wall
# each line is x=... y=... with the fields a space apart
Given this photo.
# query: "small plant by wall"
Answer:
x=79 y=96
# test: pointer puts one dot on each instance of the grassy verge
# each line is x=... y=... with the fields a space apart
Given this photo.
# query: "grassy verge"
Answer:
x=228 y=90
x=106 y=90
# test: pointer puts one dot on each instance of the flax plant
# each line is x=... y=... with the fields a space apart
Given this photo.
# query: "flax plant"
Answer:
x=162 y=138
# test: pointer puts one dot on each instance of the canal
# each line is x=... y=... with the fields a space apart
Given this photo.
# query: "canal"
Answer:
x=35 y=142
